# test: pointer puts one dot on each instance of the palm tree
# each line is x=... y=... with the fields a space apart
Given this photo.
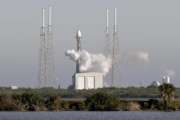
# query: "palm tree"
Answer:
x=167 y=92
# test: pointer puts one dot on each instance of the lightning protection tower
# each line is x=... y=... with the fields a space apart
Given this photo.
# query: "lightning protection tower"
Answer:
x=112 y=50
x=115 y=54
x=107 y=47
x=47 y=67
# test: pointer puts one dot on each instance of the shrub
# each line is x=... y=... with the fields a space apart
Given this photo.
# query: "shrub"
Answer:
x=133 y=106
x=31 y=101
x=53 y=103
x=77 y=105
x=102 y=101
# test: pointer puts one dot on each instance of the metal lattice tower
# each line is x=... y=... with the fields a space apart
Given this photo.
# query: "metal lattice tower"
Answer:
x=115 y=53
x=107 y=47
x=47 y=67
x=112 y=50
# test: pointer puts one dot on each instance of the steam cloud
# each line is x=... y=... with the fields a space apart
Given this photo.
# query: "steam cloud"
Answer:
x=90 y=62
x=139 y=56
x=170 y=72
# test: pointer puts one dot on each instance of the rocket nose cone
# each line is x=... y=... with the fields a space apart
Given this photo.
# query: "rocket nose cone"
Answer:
x=79 y=34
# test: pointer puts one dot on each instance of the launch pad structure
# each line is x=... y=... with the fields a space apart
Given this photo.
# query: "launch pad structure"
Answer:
x=85 y=80
x=47 y=76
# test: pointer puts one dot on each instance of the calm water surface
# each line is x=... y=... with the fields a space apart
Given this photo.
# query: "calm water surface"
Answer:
x=89 y=115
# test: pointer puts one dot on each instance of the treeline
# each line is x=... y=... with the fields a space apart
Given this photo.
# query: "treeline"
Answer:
x=29 y=101
x=107 y=99
x=130 y=92
x=33 y=101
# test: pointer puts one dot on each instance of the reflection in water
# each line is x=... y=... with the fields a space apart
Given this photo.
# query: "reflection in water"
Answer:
x=89 y=115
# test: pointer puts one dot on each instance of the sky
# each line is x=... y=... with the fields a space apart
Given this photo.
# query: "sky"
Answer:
x=143 y=25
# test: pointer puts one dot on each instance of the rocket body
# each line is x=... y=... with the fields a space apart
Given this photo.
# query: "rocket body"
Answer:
x=78 y=39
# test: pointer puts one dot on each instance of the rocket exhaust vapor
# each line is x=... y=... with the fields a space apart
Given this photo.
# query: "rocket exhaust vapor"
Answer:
x=170 y=72
x=90 y=62
x=139 y=57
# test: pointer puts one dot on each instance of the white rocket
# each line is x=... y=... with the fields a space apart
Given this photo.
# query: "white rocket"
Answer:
x=166 y=79
x=78 y=34
x=78 y=39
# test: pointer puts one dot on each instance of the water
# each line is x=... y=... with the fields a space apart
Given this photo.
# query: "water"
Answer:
x=89 y=115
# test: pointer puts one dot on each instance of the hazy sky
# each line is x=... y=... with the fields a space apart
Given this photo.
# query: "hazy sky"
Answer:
x=148 y=25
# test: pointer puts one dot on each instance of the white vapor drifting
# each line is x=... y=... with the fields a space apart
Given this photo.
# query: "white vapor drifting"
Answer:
x=170 y=72
x=90 y=62
x=139 y=56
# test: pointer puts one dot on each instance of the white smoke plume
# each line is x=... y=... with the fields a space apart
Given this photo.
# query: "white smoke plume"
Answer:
x=170 y=72
x=139 y=56
x=90 y=62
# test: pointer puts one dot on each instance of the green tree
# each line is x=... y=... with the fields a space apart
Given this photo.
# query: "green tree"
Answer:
x=31 y=101
x=53 y=103
x=167 y=93
x=102 y=101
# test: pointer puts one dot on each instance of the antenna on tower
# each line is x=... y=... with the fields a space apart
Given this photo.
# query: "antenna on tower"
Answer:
x=115 y=20
x=107 y=20
x=43 y=22
x=50 y=18
x=107 y=47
